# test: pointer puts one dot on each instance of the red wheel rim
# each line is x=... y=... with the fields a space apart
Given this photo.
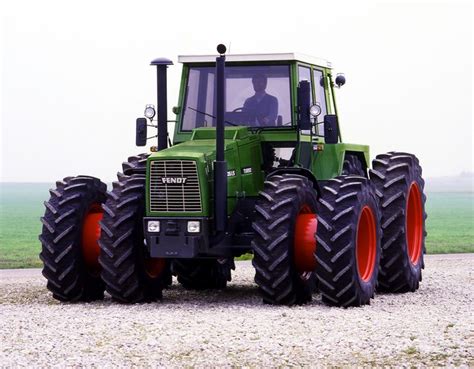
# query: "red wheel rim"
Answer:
x=154 y=267
x=90 y=237
x=366 y=246
x=305 y=240
x=414 y=223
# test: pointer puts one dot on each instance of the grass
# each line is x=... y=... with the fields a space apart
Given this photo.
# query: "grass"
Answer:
x=450 y=223
x=411 y=350
x=21 y=205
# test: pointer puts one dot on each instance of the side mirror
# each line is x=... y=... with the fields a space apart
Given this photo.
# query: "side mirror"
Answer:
x=140 y=138
x=304 y=102
x=331 y=129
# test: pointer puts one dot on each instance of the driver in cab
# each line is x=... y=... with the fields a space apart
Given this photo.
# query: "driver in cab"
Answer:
x=261 y=108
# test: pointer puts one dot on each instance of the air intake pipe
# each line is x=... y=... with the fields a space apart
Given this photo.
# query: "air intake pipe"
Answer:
x=220 y=165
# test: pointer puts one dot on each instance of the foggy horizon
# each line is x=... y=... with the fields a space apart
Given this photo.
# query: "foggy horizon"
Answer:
x=74 y=77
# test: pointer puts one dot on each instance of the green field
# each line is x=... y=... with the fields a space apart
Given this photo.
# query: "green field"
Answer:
x=450 y=223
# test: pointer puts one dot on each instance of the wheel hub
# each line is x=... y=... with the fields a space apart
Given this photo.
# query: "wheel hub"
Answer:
x=366 y=244
x=305 y=241
x=154 y=267
x=414 y=223
x=90 y=237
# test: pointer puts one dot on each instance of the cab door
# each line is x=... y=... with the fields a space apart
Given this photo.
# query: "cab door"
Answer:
x=304 y=155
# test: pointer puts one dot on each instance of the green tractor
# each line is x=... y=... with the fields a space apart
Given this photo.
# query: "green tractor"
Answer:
x=257 y=165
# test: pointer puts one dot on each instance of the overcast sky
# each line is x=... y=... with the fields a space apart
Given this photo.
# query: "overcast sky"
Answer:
x=76 y=75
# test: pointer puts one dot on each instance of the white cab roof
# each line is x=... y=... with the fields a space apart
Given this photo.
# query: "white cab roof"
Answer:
x=256 y=57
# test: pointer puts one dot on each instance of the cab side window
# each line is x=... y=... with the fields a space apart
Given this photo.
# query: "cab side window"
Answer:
x=304 y=74
x=320 y=95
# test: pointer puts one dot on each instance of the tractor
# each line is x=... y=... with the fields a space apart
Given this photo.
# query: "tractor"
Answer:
x=256 y=165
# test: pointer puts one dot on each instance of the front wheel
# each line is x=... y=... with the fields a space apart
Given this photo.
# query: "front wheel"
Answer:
x=348 y=238
x=284 y=244
x=130 y=275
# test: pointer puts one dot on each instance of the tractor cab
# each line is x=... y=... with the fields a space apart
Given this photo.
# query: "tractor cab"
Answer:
x=261 y=94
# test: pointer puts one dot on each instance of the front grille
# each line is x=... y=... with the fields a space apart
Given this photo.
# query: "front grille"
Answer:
x=168 y=193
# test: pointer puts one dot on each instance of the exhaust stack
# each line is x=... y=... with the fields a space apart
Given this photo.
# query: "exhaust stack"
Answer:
x=220 y=165
x=162 y=103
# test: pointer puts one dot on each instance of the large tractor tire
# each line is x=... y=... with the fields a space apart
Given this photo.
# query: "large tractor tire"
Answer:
x=353 y=166
x=203 y=274
x=69 y=238
x=284 y=244
x=135 y=165
x=348 y=239
x=130 y=275
x=397 y=177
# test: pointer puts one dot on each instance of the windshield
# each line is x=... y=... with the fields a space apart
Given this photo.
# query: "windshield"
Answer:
x=256 y=96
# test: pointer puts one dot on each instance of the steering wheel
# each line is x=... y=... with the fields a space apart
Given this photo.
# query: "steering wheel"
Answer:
x=238 y=110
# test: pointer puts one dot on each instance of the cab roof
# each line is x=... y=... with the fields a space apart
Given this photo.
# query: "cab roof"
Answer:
x=187 y=59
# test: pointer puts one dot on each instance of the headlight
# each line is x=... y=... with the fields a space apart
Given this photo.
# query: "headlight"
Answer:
x=150 y=111
x=315 y=110
x=154 y=226
x=194 y=226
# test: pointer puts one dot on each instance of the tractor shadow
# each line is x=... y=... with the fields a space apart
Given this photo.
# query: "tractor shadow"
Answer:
x=240 y=292
x=233 y=295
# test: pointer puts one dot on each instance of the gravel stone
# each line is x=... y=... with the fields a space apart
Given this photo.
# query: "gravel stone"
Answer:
x=431 y=327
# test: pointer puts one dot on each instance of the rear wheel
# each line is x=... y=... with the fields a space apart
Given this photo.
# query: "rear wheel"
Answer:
x=348 y=239
x=69 y=239
x=203 y=274
x=129 y=273
x=284 y=244
x=397 y=177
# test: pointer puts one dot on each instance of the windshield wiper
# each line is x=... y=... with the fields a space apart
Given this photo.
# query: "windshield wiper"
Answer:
x=212 y=116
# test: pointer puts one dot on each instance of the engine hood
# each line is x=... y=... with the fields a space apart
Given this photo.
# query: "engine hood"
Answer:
x=202 y=145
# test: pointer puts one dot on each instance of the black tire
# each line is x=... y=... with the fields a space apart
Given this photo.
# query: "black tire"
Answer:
x=347 y=205
x=135 y=165
x=280 y=202
x=124 y=258
x=203 y=274
x=394 y=174
x=353 y=166
x=167 y=275
x=70 y=277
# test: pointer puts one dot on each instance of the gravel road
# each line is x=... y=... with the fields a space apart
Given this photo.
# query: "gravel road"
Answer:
x=433 y=327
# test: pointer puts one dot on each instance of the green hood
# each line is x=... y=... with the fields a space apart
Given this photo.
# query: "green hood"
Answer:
x=242 y=150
